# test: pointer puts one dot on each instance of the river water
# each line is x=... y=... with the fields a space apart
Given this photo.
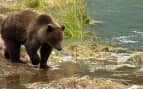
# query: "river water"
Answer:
x=122 y=21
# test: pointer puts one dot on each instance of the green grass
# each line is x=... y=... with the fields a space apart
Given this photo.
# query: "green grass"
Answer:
x=36 y=4
x=71 y=13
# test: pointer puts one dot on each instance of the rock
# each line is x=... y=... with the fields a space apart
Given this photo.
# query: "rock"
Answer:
x=136 y=59
x=93 y=22
x=120 y=50
x=125 y=67
x=136 y=87
x=120 y=57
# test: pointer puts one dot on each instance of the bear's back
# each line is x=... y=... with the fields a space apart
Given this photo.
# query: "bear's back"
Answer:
x=15 y=25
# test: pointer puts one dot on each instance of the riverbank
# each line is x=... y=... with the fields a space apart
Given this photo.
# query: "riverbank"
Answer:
x=79 y=67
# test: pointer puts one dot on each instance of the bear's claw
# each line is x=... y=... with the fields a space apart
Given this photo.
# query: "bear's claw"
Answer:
x=44 y=66
x=36 y=62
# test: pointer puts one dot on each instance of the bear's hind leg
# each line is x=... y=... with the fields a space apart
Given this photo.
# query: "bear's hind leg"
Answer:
x=13 y=51
x=45 y=52
x=6 y=54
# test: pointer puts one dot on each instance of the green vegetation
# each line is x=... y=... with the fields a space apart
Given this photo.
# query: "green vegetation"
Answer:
x=21 y=4
x=71 y=13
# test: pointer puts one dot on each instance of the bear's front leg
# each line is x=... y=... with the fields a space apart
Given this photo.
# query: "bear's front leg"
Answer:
x=45 y=53
x=32 y=52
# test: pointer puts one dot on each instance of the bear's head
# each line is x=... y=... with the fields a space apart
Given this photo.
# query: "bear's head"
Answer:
x=53 y=35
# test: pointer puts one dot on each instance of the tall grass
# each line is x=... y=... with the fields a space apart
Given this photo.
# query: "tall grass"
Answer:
x=38 y=4
x=71 y=13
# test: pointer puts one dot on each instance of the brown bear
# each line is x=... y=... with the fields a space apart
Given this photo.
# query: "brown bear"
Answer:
x=33 y=30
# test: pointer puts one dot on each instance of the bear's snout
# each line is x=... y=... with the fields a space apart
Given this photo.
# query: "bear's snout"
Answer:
x=59 y=49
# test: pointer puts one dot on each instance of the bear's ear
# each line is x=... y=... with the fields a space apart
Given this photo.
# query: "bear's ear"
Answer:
x=50 y=28
x=62 y=27
x=43 y=19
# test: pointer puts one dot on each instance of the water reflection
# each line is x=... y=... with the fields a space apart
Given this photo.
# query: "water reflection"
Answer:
x=22 y=75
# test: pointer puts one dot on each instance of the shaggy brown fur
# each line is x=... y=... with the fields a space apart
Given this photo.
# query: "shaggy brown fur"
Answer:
x=35 y=31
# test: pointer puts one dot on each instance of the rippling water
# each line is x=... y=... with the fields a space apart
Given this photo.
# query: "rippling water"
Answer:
x=122 y=21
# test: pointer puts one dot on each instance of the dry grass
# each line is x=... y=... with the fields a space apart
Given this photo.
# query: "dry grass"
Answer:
x=78 y=83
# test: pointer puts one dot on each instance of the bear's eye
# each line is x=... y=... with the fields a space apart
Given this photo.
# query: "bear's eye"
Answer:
x=49 y=29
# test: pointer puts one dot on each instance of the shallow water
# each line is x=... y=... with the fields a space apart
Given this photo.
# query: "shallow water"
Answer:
x=121 y=21
x=21 y=75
